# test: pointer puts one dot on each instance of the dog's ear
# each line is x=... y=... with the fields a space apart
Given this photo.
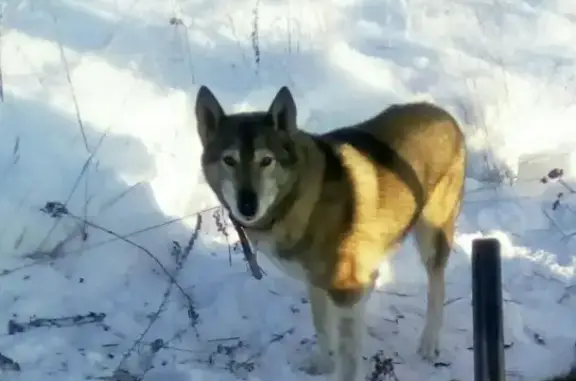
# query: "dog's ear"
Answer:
x=209 y=113
x=283 y=111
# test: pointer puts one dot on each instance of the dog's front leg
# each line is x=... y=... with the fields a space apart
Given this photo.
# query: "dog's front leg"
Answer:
x=350 y=331
x=322 y=362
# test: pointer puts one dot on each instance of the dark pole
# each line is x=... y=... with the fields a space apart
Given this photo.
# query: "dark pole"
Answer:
x=487 y=310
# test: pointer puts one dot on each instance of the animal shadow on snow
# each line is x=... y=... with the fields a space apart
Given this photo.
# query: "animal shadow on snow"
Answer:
x=48 y=271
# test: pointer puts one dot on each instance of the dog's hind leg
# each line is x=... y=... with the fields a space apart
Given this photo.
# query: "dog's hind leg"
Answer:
x=434 y=245
x=434 y=233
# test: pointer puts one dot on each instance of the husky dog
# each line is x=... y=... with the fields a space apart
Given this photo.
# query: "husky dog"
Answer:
x=328 y=208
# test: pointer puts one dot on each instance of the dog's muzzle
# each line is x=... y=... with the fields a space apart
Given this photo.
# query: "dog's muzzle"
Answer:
x=247 y=203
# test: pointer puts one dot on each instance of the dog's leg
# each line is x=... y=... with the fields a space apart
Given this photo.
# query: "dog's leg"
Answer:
x=322 y=362
x=434 y=244
x=429 y=347
x=434 y=233
x=350 y=329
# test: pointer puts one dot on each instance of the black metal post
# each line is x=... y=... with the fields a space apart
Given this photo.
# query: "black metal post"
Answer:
x=487 y=310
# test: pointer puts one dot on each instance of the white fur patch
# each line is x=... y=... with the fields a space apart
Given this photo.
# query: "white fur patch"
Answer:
x=266 y=195
x=229 y=194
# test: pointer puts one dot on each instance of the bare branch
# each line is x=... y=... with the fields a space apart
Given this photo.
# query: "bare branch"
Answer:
x=248 y=253
x=191 y=308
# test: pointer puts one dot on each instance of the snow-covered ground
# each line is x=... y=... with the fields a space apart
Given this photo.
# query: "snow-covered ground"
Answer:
x=95 y=113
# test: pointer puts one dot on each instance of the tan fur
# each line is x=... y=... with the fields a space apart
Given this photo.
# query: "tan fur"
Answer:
x=356 y=193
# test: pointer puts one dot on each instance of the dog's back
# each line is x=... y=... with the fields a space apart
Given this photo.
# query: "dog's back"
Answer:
x=402 y=169
x=419 y=141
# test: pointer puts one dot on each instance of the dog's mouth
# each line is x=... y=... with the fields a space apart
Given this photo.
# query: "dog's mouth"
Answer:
x=252 y=222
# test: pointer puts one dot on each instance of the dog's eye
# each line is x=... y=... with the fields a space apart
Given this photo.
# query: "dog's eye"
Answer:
x=266 y=161
x=229 y=160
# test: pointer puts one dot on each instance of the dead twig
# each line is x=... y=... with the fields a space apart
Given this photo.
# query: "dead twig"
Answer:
x=275 y=338
x=15 y=327
x=60 y=209
x=180 y=255
x=382 y=368
x=139 y=231
x=192 y=314
x=248 y=252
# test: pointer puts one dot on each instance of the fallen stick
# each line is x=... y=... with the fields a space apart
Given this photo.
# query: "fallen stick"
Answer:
x=247 y=249
x=15 y=327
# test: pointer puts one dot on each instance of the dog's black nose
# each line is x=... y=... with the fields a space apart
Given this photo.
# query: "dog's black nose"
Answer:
x=247 y=203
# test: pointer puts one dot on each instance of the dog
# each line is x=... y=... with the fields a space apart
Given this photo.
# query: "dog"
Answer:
x=329 y=208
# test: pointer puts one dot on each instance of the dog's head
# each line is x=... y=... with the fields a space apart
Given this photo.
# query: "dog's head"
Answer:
x=249 y=159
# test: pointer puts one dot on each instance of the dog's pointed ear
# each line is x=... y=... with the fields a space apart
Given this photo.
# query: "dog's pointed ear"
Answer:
x=283 y=111
x=209 y=113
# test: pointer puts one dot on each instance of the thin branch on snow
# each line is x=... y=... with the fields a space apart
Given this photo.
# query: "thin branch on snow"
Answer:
x=15 y=327
x=58 y=209
x=181 y=255
x=111 y=239
x=191 y=308
x=554 y=223
x=275 y=338
x=143 y=230
x=223 y=339
x=41 y=256
x=72 y=92
x=177 y=22
x=74 y=187
x=83 y=171
x=230 y=357
x=79 y=121
x=255 y=35
x=137 y=342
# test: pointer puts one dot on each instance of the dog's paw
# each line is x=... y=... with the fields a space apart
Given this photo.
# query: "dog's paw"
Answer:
x=429 y=348
x=317 y=364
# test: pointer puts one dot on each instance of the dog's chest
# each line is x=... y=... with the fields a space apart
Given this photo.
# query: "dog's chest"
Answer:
x=267 y=247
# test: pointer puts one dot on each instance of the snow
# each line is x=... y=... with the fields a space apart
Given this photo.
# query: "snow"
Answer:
x=96 y=114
